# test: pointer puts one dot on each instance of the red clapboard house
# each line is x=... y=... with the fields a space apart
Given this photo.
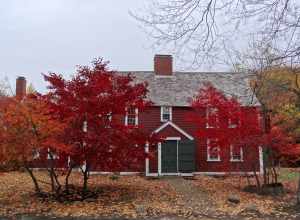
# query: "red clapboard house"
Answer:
x=181 y=152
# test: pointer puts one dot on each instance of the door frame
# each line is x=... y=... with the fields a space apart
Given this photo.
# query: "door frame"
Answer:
x=159 y=163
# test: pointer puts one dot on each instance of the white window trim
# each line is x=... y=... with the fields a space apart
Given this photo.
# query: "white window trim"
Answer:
x=241 y=154
x=54 y=155
x=207 y=118
x=208 y=154
x=136 y=117
x=161 y=114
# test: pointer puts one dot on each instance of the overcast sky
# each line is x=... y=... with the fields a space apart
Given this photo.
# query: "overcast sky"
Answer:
x=56 y=35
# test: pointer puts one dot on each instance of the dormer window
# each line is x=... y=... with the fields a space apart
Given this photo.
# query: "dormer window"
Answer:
x=131 y=118
x=166 y=113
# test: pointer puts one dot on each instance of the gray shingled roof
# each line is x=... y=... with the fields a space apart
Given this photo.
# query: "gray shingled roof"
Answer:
x=182 y=86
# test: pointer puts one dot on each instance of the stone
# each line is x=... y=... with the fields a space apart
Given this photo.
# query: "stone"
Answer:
x=251 y=208
x=234 y=199
x=90 y=200
x=140 y=209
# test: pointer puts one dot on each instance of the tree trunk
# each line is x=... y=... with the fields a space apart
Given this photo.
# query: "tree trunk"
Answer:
x=67 y=189
x=298 y=191
x=85 y=181
x=257 y=179
x=275 y=175
x=34 y=180
x=52 y=180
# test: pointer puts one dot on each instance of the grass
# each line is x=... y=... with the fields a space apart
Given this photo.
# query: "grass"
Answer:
x=288 y=174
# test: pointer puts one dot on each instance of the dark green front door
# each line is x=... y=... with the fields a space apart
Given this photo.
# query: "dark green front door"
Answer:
x=169 y=157
x=186 y=156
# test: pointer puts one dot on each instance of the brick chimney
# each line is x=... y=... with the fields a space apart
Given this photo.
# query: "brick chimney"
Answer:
x=20 y=87
x=163 y=65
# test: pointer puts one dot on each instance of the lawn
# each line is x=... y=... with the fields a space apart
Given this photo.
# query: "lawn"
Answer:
x=268 y=205
x=137 y=196
x=124 y=196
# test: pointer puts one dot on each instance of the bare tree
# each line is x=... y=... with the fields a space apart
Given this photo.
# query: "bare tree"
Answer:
x=5 y=88
x=212 y=31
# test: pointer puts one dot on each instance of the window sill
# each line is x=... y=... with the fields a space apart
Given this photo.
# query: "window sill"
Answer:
x=210 y=127
x=213 y=160
x=236 y=161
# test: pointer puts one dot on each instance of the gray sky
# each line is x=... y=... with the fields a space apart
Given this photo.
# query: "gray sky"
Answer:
x=56 y=35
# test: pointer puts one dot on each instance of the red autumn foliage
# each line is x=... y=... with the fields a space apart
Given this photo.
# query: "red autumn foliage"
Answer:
x=27 y=129
x=94 y=102
x=230 y=124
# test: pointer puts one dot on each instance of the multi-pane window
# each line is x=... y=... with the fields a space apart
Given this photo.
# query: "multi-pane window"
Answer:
x=131 y=117
x=236 y=153
x=233 y=122
x=212 y=119
x=36 y=154
x=52 y=155
x=213 y=150
x=234 y=119
x=166 y=113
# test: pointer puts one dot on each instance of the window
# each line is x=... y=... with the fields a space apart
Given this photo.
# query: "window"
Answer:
x=234 y=119
x=52 y=155
x=233 y=122
x=212 y=120
x=213 y=150
x=236 y=153
x=131 y=118
x=166 y=114
x=36 y=154
x=107 y=120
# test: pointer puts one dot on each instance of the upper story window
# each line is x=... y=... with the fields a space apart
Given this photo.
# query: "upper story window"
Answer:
x=166 y=113
x=132 y=117
x=236 y=153
x=213 y=150
x=212 y=120
x=233 y=122
x=234 y=119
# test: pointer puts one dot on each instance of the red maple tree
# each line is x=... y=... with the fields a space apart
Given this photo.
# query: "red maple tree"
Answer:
x=94 y=102
x=230 y=124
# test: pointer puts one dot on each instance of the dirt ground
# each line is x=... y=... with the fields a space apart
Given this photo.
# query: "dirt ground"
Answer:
x=135 y=197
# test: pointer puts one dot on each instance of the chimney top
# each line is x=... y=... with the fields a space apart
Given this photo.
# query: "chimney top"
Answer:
x=20 y=87
x=21 y=78
x=163 y=65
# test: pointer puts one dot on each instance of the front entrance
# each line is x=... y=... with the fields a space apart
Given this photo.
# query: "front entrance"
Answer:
x=177 y=156
x=169 y=152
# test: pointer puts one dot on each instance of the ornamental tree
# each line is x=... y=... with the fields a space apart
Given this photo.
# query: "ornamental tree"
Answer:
x=231 y=125
x=26 y=131
x=94 y=102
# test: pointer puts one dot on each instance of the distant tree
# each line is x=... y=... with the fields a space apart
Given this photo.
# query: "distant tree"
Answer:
x=5 y=89
x=30 y=89
x=94 y=102
x=26 y=130
x=278 y=90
